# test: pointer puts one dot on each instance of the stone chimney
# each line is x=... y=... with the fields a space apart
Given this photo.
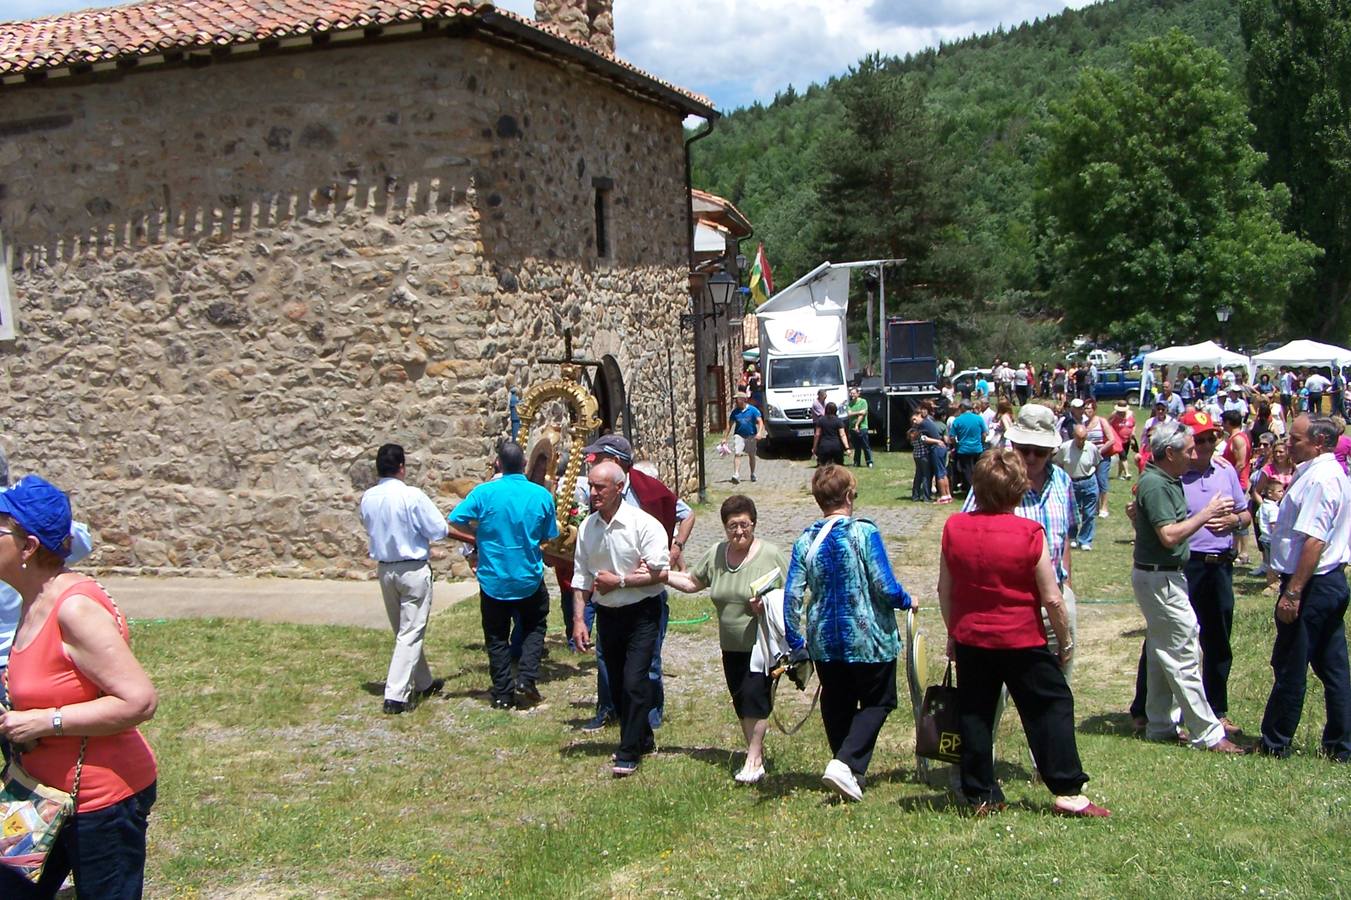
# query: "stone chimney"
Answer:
x=592 y=22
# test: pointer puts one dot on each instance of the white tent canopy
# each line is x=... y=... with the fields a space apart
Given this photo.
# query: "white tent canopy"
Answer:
x=1304 y=353
x=1208 y=354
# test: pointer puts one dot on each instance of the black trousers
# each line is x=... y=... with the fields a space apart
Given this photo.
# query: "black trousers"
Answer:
x=1316 y=639
x=856 y=699
x=628 y=638
x=1044 y=703
x=1211 y=591
x=826 y=454
x=497 y=616
x=1210 y=588
x=966 y=467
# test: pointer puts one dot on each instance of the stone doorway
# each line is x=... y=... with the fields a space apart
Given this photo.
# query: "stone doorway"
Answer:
x=607 y=385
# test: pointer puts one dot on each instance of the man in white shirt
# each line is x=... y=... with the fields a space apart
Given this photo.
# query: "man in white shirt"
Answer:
x=622 y=553
x=1234 y=400
x=1318 y=385
x=1309 y=547
x=401 y=521
x=1079 y=457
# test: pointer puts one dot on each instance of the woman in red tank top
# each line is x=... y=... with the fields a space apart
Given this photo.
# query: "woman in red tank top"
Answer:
x=994 y=579
x=73 y=681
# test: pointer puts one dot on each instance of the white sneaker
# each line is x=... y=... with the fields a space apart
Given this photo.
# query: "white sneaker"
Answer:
x=736 y=480
x=839 y=777
x=1103 y=514
x=1074 y=545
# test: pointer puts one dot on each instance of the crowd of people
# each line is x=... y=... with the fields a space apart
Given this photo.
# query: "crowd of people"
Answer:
x=1231 y=463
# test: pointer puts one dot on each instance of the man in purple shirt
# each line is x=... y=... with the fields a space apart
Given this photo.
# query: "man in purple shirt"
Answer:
x=1210 y=568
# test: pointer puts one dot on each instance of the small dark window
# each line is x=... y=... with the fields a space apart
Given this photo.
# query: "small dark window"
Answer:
x=603 y=187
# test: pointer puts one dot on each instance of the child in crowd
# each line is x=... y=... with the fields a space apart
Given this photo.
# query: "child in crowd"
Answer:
x=920 y=489
x=1272 y=492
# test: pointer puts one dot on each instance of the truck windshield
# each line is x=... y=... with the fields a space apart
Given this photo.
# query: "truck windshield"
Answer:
x=805 y=371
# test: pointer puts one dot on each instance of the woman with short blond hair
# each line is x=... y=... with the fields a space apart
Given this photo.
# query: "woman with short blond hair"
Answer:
x=850 y=630
x=994 y=578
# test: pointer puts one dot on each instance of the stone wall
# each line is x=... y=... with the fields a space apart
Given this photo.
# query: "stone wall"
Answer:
x=234 y=282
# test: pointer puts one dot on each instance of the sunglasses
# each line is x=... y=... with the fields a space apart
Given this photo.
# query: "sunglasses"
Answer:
x=5 y=531
x=1038 y=452
x=1209 y=437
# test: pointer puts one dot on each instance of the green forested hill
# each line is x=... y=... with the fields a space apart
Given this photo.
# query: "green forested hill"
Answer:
x=982 y=103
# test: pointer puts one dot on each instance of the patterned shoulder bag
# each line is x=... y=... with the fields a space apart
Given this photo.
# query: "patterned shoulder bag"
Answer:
x=32 y=814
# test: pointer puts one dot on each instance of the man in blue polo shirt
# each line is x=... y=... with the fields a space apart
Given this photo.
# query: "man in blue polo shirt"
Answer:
x=968 y=431
x=510 y=517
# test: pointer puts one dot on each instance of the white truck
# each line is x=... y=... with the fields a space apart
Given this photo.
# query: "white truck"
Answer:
x=803 y=350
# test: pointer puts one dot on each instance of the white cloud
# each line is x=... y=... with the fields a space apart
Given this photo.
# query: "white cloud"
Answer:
x=739 y=51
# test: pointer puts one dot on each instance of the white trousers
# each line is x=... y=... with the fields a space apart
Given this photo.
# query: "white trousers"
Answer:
x=1173 y=689
x=407 y=589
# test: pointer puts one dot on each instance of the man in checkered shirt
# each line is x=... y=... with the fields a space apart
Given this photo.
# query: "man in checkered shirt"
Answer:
x=1049 y=500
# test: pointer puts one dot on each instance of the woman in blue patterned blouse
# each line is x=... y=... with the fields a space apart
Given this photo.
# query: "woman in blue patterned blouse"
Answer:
x=850 y=630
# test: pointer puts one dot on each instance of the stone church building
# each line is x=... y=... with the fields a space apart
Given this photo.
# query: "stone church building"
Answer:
x=249 y=242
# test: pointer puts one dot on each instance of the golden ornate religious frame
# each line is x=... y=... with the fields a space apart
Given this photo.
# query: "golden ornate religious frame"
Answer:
x=583 y=419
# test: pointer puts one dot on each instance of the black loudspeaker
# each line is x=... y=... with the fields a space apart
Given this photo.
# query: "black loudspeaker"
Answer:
x=911 y=371
x=907 y=338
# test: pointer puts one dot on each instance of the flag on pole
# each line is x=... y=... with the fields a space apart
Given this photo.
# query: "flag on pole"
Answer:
x=761 y=278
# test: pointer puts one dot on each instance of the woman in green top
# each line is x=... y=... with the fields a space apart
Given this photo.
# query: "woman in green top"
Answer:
x=727 y=570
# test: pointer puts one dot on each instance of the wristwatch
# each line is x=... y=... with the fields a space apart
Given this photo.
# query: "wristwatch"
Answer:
x=623 y=580
x=56 y=721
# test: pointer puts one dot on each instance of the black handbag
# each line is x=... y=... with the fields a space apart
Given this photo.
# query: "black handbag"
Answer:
x=937 y=731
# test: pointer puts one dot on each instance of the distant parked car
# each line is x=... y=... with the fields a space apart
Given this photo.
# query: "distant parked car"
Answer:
x=964 y=382
x=1116 y=384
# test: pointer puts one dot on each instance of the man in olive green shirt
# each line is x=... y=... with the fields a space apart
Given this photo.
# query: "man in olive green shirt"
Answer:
x=858 y=426
x=1172 y=638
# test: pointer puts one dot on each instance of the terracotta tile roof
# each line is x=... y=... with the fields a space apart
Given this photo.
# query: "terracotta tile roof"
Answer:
x=153 y=27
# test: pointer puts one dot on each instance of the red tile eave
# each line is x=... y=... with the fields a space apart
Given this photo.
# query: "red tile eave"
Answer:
x=156 y=26
x=723 y=213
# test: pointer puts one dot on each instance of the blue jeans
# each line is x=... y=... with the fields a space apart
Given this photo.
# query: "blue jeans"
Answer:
x=654 y=672
x=1318 y=639
x=105 y=850
x=604 y=705
x=1104 y=480
x=1086 y=510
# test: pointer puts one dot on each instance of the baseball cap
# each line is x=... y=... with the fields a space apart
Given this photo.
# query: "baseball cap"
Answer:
x=612 y=445
x=42 y=510
x=1076 y=403
x=1198 y=422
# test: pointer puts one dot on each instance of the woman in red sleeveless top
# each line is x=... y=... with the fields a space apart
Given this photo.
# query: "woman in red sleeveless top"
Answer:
x=73 y=680
x=994 y=579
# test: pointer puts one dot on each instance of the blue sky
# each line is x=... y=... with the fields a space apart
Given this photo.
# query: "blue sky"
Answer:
x=739 y=51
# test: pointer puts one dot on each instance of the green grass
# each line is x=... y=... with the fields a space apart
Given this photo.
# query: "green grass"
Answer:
x=281 y=778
